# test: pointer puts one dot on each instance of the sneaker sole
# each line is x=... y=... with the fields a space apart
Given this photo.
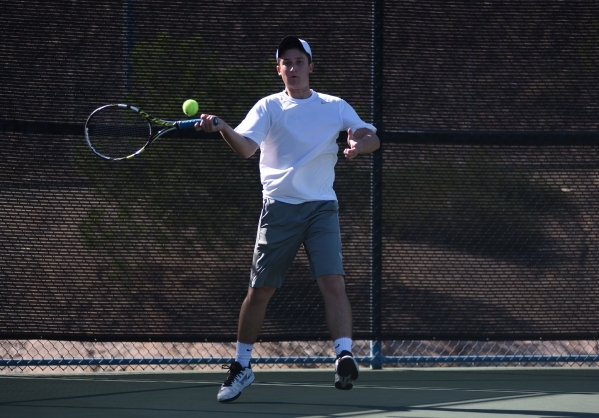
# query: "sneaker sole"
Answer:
x=239 y=394
x=344 y=385
x=347 y=370
x=230 y=399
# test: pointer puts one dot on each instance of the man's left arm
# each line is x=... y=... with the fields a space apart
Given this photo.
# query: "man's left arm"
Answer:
x=363 y=141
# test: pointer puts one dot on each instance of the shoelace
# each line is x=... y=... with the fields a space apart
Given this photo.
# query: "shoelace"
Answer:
x=232 y=375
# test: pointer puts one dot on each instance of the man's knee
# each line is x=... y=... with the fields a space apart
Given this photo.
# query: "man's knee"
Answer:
x=260 y=295
x=332 y=285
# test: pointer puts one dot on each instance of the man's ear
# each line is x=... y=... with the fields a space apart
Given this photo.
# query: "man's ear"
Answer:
x=311 y=66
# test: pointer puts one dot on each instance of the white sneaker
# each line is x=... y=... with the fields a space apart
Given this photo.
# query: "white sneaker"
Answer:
x=346 y=371
x=237 y=379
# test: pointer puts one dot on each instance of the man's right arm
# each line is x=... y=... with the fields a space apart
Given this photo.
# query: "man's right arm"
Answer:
x=243 y=146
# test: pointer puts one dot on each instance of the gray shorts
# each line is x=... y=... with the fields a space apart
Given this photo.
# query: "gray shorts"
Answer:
x=284 y=228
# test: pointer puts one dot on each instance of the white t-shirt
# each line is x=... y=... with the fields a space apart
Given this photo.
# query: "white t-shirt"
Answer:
x=298 y=144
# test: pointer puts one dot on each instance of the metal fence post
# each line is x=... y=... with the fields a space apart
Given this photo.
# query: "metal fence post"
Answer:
x=376 y=186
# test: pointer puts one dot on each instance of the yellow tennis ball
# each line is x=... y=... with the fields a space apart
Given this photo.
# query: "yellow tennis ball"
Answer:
x=190 y=107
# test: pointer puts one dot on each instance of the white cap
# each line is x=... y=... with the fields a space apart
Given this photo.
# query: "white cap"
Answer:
x=289 y=42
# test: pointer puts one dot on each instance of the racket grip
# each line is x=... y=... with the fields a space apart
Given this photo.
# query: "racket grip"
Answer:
x=189 y=124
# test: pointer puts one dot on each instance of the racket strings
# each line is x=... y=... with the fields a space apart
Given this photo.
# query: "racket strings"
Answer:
x=116 y=132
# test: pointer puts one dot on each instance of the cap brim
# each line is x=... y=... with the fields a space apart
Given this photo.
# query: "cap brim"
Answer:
x=290 y=42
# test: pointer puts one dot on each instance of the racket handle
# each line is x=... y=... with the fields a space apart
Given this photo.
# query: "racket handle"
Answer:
x=189 y=124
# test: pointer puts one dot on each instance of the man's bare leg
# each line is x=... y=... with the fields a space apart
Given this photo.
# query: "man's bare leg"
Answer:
x=251 y=315
x=336 y=304
x=339 y=320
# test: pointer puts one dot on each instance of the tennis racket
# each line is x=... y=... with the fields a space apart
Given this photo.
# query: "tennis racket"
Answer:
x=118 y=131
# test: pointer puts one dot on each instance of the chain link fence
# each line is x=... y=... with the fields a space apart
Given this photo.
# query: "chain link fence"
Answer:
x=44 y=356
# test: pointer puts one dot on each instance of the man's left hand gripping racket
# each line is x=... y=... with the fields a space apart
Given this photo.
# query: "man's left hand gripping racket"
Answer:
x=118 y=131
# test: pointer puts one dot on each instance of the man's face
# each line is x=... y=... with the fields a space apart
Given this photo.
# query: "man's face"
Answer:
x=294 y=69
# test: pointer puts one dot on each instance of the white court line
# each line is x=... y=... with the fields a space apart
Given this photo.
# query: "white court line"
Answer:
x=101 y=379
x=518 y=393
x=481 y=400
x=349 y=414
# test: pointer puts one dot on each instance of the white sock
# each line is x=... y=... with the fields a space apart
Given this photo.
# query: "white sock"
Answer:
x=342 y=344
x=243 y=353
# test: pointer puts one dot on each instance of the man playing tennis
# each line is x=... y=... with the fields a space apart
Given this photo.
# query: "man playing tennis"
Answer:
x=296 y=131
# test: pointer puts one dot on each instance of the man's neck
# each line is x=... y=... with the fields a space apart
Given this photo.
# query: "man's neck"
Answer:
x=299 y=94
